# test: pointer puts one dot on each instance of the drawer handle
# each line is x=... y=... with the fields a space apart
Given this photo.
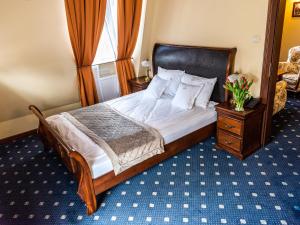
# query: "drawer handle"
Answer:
x=228 y=142
x=229 y=126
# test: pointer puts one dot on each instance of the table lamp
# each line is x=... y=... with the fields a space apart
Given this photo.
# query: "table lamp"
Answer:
x=146 y=64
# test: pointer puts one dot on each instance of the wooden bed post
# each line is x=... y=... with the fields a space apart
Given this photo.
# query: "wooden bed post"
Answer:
x=86 y=189
x=41 y=129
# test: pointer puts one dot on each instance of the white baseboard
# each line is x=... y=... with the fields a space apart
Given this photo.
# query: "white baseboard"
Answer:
x=26 y=123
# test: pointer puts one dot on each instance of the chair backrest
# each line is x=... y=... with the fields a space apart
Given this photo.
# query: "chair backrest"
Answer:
x=294 y=55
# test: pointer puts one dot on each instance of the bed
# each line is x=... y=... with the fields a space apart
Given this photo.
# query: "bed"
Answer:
x=93 y=168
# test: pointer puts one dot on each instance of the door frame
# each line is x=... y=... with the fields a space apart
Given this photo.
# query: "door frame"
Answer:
x=275 y=20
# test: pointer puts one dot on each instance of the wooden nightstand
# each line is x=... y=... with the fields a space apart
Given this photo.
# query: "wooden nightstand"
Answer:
x=138 y=84
x=239 y=132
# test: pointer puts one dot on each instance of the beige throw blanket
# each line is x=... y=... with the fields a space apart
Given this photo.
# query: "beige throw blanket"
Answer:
x=125 y=141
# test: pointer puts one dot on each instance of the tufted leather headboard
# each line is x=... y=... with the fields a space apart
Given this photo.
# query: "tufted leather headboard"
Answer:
x=200 y=61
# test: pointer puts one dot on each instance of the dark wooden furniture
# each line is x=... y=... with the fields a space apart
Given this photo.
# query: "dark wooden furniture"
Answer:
x=201 y=61
x=138 y=84
x=275 y=19
x=239 y=132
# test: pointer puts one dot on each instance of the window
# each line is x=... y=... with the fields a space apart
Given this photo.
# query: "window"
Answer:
x=107 y=48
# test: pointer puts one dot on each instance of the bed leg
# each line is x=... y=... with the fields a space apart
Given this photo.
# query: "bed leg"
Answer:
x=86 y=189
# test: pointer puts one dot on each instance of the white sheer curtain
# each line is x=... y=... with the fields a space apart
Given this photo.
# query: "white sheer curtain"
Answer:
x=111 y=24
x=107 y=49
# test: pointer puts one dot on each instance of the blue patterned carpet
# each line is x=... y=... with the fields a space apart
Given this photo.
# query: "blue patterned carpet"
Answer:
x=199 y=186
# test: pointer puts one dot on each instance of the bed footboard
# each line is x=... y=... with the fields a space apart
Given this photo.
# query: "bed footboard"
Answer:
x=51 y=138
x=73 y=160
x=86 y=189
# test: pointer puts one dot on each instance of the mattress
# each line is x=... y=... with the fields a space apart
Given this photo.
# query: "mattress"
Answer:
x=171 y=122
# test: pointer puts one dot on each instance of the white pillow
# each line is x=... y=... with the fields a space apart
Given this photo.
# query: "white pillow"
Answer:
x=203 y=98
x=174 y=76
x=186 y=95
x=156 y=87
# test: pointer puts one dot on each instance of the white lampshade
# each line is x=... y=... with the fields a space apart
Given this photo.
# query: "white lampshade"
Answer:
x=233 y=77
x=145 y=63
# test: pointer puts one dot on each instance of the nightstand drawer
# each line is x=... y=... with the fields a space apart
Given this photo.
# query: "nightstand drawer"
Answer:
x=136 y=88
x=229 y=140
x=229 y=124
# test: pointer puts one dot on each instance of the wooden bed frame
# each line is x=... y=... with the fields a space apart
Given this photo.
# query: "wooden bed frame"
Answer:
x=204 y=65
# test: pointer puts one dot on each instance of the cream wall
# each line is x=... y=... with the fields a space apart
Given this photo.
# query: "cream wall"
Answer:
x=138 y=47
x=291 y=31
x=37 y=65
x=230 y=23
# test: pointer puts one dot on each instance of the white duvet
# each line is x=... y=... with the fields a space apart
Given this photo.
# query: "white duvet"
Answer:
x=171 y=122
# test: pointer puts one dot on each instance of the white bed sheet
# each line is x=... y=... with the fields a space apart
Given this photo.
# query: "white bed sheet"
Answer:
x=171 y=122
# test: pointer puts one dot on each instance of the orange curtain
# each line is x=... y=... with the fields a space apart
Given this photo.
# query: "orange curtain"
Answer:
x=85 y=22
x=129 y=16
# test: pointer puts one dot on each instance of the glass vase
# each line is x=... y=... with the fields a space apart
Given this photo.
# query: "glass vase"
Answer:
x=239 y=104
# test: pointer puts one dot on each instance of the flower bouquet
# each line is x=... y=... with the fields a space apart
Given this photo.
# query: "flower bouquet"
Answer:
x=239 y=87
